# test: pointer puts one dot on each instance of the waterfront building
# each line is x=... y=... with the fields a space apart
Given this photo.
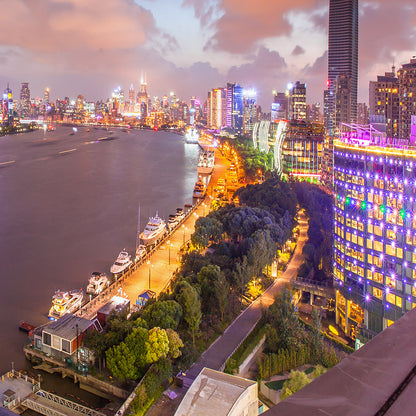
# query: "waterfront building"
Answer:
x=216 y=108
x=297 y=146
x=374 y=230
x=7 y=106
x=342 y=56
x=25 y=100
x=280 y=106
x=384 y=102
x=297 y=101
x=407 y=92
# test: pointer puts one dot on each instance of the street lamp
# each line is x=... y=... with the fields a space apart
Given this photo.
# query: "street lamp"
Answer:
x=150 y=271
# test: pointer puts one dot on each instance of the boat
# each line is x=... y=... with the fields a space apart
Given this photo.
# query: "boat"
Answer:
x=173 y=221
x=26 y=327
x=154 y=230
x=180 y=214
x=206 y=162
x=140 y=252
x=97 y=283
x=191 y=135
x=65 y=302
x=122 y=262
x=199 y=189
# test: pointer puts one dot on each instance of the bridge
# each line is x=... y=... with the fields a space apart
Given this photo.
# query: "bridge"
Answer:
x=19 y=392
x=315 y=288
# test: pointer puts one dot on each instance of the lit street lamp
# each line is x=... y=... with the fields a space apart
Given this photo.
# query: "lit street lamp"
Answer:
x=150 y=271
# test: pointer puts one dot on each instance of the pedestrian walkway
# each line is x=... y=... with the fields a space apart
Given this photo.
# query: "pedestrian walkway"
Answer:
x=217 y=354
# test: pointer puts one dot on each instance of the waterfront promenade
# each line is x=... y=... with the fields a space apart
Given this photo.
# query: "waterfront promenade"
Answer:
x=157 y=269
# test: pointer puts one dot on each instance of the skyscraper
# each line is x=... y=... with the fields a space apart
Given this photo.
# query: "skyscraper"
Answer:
x=216 y=108
x=342 y=55
x=25 y=100
x=297 y=101
x=235 y=107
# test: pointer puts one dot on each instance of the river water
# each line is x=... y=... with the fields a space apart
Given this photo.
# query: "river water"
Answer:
x=68 y=205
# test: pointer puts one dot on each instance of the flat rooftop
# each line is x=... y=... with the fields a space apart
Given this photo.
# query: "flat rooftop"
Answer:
x=377 y=379
x=213 y=393
x=68 y=326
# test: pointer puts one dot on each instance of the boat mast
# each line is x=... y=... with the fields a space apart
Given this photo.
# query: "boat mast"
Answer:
x=138 y=230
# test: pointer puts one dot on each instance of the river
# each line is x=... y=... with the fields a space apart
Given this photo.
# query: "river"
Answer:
x=68 y=205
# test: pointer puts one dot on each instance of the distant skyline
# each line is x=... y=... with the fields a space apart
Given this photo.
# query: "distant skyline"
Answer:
x=190 y=46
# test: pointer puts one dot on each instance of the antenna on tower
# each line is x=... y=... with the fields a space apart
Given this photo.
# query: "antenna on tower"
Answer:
x=393 y=69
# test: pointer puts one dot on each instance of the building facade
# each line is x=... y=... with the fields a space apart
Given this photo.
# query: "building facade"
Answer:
x=374 y=231
x=297 y=147
x=342 y=55
x=297 y=101
x=216 y=108
x=384 y=101
x=407 y=92
x=235 y=107
x=25 y=100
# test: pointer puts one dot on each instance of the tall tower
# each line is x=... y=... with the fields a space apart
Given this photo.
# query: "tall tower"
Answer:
x=342 y=55
x=297 y=101
x=46 y=97
x=25 y=100
x=142 y=97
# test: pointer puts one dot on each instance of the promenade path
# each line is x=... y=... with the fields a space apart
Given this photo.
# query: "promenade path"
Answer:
x=216 y=355
x=157 y=270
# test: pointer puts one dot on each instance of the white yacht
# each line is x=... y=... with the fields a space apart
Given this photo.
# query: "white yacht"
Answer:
x=199 y=189
x=206 y=162
x=65 y=302
x=122 y=262
x=97 y=283
x=154 y=230
x=140 y=252
x=192 y=135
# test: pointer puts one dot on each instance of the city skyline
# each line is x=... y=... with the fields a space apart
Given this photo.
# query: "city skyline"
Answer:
x=189 y=47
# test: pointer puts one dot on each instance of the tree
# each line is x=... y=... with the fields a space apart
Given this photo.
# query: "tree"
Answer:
x=164 y=314
x=175 y=344
x=121 y=361
x=206 y=229
x=298 y=380
x=158 y=344
x=191 y=305
x=96 y=342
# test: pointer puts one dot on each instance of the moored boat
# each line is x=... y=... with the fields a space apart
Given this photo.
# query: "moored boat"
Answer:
x=65 y=302
x=97 y=283
x=140 y=252
x=206 y=162
x=199 y=189
x=154 y=230
x=122 y=262
x=192 y=135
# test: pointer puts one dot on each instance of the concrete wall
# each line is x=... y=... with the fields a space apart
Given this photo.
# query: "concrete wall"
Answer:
x=245 y=365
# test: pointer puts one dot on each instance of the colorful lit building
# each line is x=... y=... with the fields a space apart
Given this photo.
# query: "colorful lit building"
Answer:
x=374 y=230
x=297 y=147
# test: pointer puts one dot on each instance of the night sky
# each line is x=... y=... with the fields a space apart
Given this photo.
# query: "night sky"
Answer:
x=90 y=47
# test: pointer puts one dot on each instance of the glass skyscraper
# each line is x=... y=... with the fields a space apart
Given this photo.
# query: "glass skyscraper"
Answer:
x=342 y=55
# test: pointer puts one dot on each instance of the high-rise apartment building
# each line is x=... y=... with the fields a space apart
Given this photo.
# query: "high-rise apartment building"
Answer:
x=250 y=110
x=297 y=101
x=407 y=92
x=342 y=56
x=25 y=100
x=362 y=113
x=46 y=96
x=384 y=101
x=216 y=108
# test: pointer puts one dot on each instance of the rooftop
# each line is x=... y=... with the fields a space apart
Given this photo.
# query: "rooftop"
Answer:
x=213 y=393
x=375 y=380
x=68 y=326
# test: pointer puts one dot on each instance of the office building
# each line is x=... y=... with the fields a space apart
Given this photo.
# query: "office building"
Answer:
x=235 y=107
x=297 y=101
x=342 y=57
x=25 y=100
x=8 y=106
x=250 y=112
x=374 y=230
x=384 y=102
x=216 y=108
x=407 y=92
x=280 y=106
x=297 y=147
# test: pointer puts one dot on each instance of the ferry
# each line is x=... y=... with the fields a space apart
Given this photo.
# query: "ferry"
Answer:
x=65 y=302
x=154 y=230
x=122 y=262
x=191 y=135
x=97 y=283
x=206 y=162
x=199 y=189
x=140 y=252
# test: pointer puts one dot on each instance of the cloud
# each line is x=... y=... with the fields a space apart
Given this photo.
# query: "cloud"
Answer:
x=239 y=25
x=65 y=25
x=298 y=51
